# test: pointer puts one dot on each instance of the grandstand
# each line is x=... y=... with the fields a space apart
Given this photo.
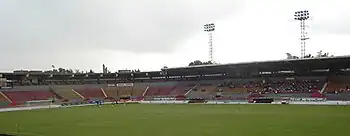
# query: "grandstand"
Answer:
x=300 y=78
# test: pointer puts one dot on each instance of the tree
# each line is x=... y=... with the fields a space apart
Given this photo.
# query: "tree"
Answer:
x=70 y=71
x=195 y=63
x=308 y=56
x=198 y=62
x=207 y=63
x=91 y=71
x=77 y=71
x=55 y=71
x=290 y=56
x=61 y=70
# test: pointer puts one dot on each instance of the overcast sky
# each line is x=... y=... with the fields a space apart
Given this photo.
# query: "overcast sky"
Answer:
x=150 y=34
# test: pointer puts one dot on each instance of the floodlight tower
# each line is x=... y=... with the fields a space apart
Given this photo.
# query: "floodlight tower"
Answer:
x=210 y=28
x=302 y=16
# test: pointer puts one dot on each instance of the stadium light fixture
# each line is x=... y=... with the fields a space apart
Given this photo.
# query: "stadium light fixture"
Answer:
x=210 y=28
x=302 y=16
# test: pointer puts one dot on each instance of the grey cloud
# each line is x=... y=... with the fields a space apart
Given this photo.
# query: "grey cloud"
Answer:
x=337 y=27
x=130 y=25
x=334 y=20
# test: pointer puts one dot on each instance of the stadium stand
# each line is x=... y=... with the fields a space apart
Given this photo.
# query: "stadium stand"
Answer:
x=111 y=91
x=3 y=100
x=139 y=89
x=23 y=96
x=296 y=85
x=304 y=78
x=66 y=92
x=160 y=89
x=338 y=84
x=239 y=86
x=180 y=89
x=202 y=91
x=124 y=91
x=90 y=93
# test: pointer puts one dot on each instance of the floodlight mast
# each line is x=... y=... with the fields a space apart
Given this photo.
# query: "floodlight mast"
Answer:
x=210 y=28
x=302 y=16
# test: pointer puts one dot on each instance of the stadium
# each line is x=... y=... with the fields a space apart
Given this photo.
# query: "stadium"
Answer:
x=216 y=99
x=297 y=96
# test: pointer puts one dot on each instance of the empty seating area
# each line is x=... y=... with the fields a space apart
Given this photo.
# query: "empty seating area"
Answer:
x=202 y=90
x=90 y=92
x=338 y=84
x=111 y=91
x=205 y=88
x=139 y=89
x=337 y=87
x=23 y=96
x=159 y=91
x=234 y=90
x=66 y=93
x=180 y=90
x=3 y=101
x=2 y=98
x=124 y=91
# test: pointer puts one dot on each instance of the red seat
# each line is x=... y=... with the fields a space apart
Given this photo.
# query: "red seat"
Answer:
x=90 y=92
x=159 y=91
x=23 y=96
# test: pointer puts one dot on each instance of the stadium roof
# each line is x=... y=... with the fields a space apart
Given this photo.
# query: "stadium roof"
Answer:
x=347 y=57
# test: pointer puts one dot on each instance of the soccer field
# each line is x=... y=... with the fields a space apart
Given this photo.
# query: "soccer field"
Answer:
x=180 y=120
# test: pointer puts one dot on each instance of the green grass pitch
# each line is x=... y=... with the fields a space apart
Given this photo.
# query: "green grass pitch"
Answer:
x=180 y=120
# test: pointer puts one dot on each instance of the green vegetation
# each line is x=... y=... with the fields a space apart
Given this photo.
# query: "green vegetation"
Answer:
x=180 y=120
